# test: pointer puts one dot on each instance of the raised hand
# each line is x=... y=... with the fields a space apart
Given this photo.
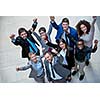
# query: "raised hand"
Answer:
x=94 y=17
x=52 y=18
x=95 y=42
x=12 y=36
x=66 y=31
x=35 y=20
x=17 y=69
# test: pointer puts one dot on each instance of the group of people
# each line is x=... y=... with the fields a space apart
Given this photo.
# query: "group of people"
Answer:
x=58 y=61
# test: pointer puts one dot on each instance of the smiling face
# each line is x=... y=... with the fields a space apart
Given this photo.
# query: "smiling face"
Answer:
x=80 y=45
x=62 y=45
x=83 y=28
x=48 y=57
x=33 y=58
x=43 y=35
x=65 y=25
x=23 y=35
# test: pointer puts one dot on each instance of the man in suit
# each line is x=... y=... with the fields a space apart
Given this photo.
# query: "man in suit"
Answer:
x=26 y=41
x=64 y=25
x=61 y=33
x=36 y=66
x=55 y=71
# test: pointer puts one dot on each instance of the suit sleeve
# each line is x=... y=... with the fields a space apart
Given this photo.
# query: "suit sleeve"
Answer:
x=49 y=32
x=34 y=25
x=54 y=24
x=94 y=49
x=16 y=41
x=25 y=67
x=89 y=50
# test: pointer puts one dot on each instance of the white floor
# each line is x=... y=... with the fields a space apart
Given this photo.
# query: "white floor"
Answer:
x=10 y=55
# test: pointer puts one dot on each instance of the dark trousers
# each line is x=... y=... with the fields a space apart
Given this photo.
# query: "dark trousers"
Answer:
x=59 y=81
x=41 y=78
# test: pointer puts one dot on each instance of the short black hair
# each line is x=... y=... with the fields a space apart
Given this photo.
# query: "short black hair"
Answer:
x=49 y=51
x=81 y=40
x=20 y=30
x=42 y=29
x=65 y=20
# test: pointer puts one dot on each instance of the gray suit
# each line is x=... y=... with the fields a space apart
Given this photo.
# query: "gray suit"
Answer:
x=58 y=67
x=41 y=41
x=33 y=73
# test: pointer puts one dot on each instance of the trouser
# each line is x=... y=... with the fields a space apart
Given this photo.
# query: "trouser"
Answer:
x=71 y=61
x=59 y=81
x=81 y=67
x=41 y=78
x=69 y=70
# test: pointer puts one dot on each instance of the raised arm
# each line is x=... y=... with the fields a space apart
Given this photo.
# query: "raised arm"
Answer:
x=95 y=46
x=93 y=26
x=54 y=24
x=34 y=25
x=71 y=37
x=13 y=40
x=49 y=32
x=23 y=68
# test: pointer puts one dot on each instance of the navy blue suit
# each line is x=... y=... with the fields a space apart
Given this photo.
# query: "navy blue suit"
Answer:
x=60 y=32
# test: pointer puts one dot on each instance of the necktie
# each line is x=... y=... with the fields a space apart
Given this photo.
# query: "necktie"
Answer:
x=52 y=69
x=67 y=40
x=32 y=45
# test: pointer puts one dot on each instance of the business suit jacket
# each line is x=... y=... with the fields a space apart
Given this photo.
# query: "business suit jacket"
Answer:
x=58 y=67
x=33 y=73
x=24 y=44
x=60 y=32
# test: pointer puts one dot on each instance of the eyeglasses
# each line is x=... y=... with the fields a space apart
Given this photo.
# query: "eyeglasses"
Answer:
x=42 y=33
x=80 y=44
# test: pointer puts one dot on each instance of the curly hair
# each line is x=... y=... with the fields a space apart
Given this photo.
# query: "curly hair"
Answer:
x=84 y=22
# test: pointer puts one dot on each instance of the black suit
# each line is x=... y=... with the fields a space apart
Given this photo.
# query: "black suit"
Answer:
x=24 y=44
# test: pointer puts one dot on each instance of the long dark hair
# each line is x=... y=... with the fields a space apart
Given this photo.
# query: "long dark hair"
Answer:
x=84 y=22
x=63 y=41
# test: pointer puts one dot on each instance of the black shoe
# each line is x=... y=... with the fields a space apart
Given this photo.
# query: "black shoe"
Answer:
x=81 y=77
x=87 y=62
x=74 y=72
x=69 y=79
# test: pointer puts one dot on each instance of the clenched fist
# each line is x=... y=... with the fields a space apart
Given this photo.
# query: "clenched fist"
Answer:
x=52 y=18
x=12 y=36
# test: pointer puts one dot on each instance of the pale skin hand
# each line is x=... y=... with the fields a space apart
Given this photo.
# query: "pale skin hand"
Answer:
x=52 y=18
x=43 y=49
x=95 y=42
x=66 y=31
x=35 y=20
x=12 y=36
x=54 y=51
x=17 y=69
x=94 y=17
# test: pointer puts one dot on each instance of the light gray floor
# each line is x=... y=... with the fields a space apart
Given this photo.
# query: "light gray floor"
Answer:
x=10 y=55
